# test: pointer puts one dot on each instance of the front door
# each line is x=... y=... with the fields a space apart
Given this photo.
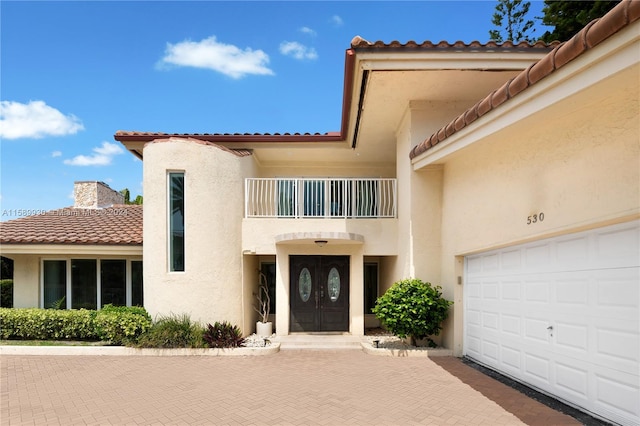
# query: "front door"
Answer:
x=319 y=293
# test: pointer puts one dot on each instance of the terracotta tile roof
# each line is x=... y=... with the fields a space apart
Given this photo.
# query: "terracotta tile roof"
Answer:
x=116 y=225
x=122 y=136
x=594 y=33
x=358 y=43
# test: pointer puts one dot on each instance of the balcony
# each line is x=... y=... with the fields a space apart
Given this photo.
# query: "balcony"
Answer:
x=320 y=198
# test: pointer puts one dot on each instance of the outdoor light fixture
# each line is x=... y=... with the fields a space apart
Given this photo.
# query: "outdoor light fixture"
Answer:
x=321 y=243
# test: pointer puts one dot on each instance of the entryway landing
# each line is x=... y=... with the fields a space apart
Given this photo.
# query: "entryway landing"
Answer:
x=319 y=341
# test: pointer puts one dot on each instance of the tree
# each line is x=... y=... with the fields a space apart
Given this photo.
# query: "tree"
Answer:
x=127 y=197
x=517 y=27
x=569 y=17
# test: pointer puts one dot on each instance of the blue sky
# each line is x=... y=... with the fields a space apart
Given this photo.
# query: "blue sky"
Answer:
x=74 y=73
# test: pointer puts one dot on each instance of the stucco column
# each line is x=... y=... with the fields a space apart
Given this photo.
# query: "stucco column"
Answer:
x=282 y=291
x=356 y=293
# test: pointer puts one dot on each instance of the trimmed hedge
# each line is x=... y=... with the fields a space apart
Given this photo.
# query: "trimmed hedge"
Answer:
x=114 y=324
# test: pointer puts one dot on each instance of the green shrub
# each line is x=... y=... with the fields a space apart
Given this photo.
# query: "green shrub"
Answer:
x=47 y=324
x=412 y=308
x=174 y=331
x=6 y=293
x=223 y=335
x=121 y=324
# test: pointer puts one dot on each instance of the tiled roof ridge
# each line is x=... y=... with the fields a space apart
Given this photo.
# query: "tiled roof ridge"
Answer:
x=594 y=33
x=236 y=152
x=360 y=43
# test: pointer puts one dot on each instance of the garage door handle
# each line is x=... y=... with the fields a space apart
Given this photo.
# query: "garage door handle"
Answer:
x=550 y=328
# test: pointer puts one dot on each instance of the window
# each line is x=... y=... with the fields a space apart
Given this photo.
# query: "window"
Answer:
x=269 y=270
x=91 y=284
x=113 y=282
x=136 y=283
x=54 y=283
x=370 y=286
x=84 y=274
x=176 y=222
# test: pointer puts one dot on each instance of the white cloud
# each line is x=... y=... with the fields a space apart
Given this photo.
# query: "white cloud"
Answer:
x=307 y=30
x=55 y=154
x=35 y=120
x=102 y=156
x=223 y=58
x=297 y=50
x=337 y=20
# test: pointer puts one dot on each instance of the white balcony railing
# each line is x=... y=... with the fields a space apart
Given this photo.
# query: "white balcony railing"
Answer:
x=320 y=198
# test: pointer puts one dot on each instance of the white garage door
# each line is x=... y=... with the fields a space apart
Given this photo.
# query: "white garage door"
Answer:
x=562 y=315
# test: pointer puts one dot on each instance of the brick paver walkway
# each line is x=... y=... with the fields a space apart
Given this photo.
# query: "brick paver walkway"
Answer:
x=288 y=388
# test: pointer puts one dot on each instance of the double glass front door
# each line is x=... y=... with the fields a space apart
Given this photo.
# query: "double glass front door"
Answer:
x=319 y=293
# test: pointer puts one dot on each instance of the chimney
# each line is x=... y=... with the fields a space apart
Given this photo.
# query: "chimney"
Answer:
x=95 y=195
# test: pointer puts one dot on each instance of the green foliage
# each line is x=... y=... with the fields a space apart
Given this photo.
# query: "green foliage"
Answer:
x=127 y=197
x=6 y=293
x=569 y=17
x=412 y=308
x=223 y=335
x=47 y=324
x=117 y=324
x=58 y=304
x=122 y=324
x=138 y=310
x=510 y=18
x=172 y=332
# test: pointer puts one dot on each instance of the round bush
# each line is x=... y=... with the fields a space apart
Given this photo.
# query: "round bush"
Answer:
x=412 y=308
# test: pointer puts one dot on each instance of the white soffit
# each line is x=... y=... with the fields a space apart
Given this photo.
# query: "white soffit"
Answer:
x=70 y=250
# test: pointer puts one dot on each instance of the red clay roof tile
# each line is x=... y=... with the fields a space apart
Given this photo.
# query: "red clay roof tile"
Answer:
x=116 y=225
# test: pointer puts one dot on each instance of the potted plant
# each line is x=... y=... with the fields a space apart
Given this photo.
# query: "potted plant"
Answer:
x=264 y=327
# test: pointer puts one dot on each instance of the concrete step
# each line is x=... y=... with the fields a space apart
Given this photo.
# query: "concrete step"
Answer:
x=302 y=341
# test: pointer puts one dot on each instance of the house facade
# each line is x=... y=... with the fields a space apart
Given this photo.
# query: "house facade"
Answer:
x=84 y=256
x=507 y=174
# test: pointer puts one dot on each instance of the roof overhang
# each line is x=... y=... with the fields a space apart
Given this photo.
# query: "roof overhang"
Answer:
x=599 y=75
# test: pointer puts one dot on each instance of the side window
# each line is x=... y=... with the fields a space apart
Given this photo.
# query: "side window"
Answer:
x=176 y=221
x=55 y=283
x=370 y=286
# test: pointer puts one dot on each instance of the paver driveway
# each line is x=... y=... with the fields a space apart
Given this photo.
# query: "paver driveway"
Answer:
x=331 y=387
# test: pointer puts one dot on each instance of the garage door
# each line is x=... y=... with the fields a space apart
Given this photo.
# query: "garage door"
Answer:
x=562 y=315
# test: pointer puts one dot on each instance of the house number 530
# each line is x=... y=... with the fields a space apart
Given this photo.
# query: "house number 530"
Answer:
x=535 y=218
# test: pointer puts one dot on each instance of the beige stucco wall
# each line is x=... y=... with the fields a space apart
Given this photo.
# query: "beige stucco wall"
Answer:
x=211 y=287
x=578 y=162
x=26 y=281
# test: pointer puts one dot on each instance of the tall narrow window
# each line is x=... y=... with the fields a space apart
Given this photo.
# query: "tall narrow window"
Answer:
x=113 y=282
x=370 y=286
x=136 y=283
x=176 y=222
x=84 y=275
x=55 y=283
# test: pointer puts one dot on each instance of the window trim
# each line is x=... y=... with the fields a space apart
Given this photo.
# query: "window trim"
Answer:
x=169 y=223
